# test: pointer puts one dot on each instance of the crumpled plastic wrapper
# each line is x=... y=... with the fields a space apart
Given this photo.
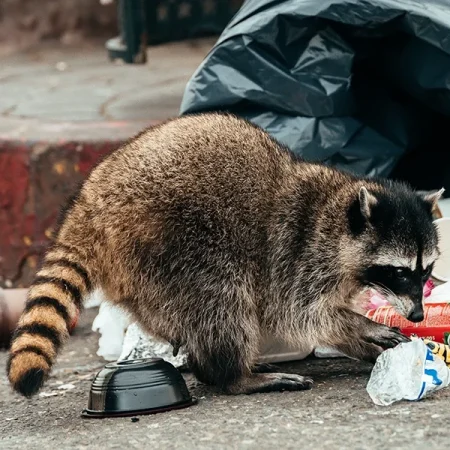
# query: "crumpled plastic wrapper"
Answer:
x=137 y=344
x=409 y=371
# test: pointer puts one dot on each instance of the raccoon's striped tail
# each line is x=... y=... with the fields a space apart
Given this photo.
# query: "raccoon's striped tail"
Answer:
x=54 y=302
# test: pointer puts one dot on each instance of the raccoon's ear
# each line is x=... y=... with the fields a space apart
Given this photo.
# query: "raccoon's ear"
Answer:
x=366 y=202
x=432 y=198
x=360 y=211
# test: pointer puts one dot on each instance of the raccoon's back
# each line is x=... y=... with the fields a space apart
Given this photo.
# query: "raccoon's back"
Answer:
x=213 y=164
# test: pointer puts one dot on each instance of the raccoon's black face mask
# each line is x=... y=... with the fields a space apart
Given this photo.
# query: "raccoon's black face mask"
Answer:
x=397 y=228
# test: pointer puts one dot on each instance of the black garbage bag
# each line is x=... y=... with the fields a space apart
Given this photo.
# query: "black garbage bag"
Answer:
x=356 y=84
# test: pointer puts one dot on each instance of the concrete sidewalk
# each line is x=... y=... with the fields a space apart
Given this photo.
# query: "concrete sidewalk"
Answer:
x=336 y=414
x=57 y=85
x=61 y=110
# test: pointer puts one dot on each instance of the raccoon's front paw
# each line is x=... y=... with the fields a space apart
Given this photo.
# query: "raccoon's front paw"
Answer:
x=386 y=337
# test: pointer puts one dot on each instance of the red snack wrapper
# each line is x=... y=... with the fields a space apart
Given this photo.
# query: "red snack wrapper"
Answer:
x=435 y=326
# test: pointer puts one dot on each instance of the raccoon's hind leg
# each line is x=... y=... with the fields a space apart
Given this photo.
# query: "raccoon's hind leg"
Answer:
x=224 y=357
x=227 y=372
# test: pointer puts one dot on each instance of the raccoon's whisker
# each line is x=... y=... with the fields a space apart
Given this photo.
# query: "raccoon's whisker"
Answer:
x=383 y=289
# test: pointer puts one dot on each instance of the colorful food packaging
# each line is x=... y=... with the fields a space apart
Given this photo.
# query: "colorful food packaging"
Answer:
x=440 y=350
x=434 y=327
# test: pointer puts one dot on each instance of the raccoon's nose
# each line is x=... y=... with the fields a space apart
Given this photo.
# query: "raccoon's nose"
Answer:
x=416 y=315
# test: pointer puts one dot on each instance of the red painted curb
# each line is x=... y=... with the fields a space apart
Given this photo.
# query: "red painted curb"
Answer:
x=41 y=164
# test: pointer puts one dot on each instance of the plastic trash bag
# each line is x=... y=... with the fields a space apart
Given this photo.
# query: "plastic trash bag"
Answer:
x=351 y=83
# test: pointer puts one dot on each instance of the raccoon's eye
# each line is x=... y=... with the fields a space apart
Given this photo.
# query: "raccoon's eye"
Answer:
x=400 y=273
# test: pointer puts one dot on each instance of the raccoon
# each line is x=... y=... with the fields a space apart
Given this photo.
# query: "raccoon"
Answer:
x=213 y=235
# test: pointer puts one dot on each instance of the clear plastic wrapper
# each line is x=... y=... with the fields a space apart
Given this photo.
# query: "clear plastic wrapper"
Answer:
x=410 y=371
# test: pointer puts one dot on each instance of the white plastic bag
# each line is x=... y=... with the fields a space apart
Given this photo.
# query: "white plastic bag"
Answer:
x=111 y=322
x=409 y=371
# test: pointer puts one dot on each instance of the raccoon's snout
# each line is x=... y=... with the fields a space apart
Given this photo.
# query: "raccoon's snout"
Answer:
x=416 y=314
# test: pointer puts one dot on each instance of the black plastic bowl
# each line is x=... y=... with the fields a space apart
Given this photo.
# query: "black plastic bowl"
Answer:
x=138 y=386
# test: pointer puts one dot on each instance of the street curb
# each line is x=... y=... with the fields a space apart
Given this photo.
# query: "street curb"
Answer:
x=41 y=164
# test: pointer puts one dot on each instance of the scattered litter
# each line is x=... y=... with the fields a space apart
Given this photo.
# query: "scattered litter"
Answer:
x=66 y=387
x=440 y=350
x=434 y=327
x=48 y=394
x=61 y=66
x=410 y=371
x=87 y=376
x=138 y=344
x=135 y=419
x=60 y=388
x=111 y=322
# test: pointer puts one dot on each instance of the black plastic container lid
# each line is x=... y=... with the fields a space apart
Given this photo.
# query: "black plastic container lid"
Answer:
x=136 y=387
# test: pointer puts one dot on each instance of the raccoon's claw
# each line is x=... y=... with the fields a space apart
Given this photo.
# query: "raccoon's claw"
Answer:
x=270 y=382
x=387 y=337
x=288 y=382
